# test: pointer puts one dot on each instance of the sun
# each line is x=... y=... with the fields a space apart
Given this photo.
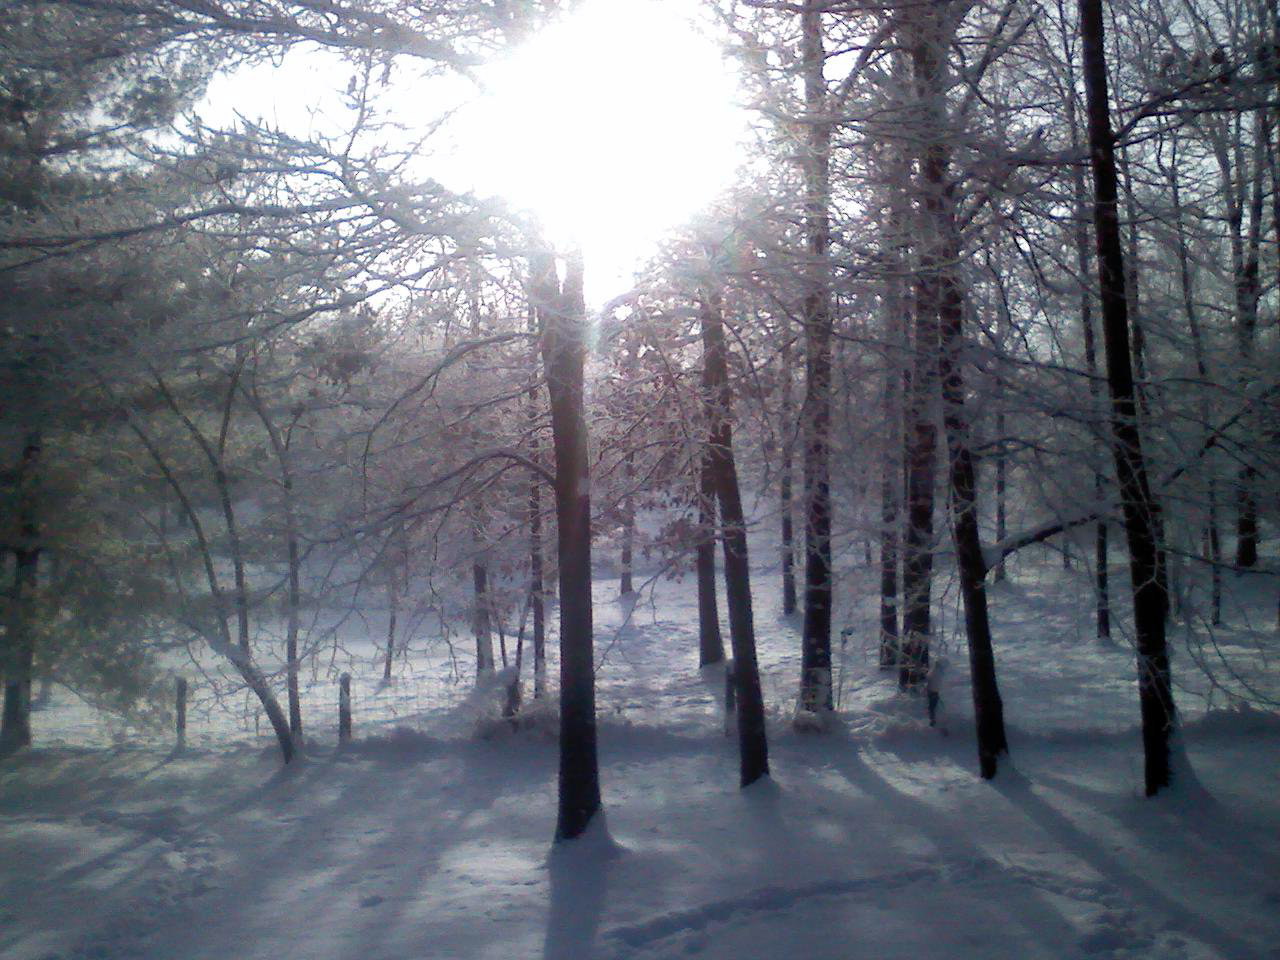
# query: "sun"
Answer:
x=612 y=127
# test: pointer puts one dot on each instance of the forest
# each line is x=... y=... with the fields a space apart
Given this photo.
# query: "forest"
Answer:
x=834 y=440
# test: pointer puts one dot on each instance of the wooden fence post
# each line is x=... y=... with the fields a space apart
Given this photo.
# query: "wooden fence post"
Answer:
x=730 y=689
x=344 y=708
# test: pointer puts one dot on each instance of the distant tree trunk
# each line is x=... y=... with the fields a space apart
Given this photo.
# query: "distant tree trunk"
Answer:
x=891 y=465
x=815 y=665
x=19 y=660
x=786 y=474
x=1212 y=532
x=1150 y=600
x=628 y=524
x=393 y=604
x=563 y=324
x=1101 y=552
x=753 y=748
x=481 y=618
x=1002 y=491
x=291 y=634
x=537 y=576
x=1138 y=340
x=710 y=642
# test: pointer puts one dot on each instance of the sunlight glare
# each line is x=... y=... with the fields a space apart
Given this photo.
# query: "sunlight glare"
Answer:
x=611 y=127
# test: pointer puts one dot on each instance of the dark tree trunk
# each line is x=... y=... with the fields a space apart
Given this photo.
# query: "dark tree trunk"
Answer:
x=891 y=467
x=536 y=575
x=1150 y=600
x=393 y=603
x=927 y=49
x=344 y=708
x=626 y=588
x=710 y=642
x=988 y=708
x=19 y=660
x=815 y=665
x=787 y=431
x=1102 y=585
x=563 y=354
x=1002 y=491
x=481 y=620
x=295 y=604
x=753 y=747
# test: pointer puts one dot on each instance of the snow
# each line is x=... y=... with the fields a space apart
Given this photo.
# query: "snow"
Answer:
x=429 y=835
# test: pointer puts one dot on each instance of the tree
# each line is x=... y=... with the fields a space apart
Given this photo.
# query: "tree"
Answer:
x=562 y=314
x=1150 y=600
x=815 y=662
x=753 y=747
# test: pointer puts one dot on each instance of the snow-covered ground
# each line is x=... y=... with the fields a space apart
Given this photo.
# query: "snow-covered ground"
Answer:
x=424 y=839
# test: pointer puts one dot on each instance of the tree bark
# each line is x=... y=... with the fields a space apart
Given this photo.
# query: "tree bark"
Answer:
x=988 y=708
x=753 y=749
x=1101 y=551
x=537 y=577
x=480 y=619
x=710 y=641
x=1150 y=600
x=927 y=48
x=891 y=486
x=19 y=660
x=785 y=476
x=815 y=665
x=625 y=587
x=563 y=322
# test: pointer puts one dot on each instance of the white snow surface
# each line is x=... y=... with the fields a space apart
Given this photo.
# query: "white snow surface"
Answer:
x=429 y=836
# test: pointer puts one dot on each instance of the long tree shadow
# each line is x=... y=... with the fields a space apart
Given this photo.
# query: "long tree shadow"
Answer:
x=1022 y=902
x=1180 y=915
x=579 y=872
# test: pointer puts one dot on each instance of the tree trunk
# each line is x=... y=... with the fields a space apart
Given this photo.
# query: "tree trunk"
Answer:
x=710 y=641
x=19 y=660
x=240 y=653
x=988 y=708
x=753 y=747
x=280 y=444
x=1102 y=585
x=785 y=497
x=1150 y=600
x=891 y=467
x=563 y=325
x=927 y=49
x=1002 y=491
x=393 y=604
x=480 y=618
x=537 y=595
x=626 y=588
x=815 y=678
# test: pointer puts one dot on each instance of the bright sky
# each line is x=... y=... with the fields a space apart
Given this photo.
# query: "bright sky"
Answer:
x=612 y=126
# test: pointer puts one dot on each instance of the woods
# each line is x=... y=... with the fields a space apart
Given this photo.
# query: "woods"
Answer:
x=257 y=373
